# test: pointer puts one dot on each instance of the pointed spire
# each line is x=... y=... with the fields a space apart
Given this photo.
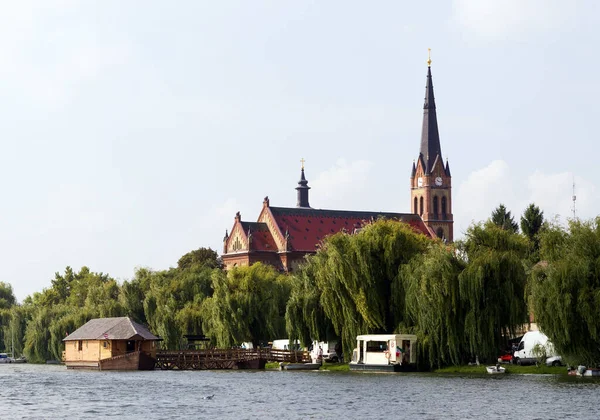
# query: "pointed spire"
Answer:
x=430 y=137
x=302 y=189
x=414 y=170
x=447 y=168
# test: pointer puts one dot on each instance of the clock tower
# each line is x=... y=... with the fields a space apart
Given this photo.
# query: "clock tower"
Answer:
x=430 y=180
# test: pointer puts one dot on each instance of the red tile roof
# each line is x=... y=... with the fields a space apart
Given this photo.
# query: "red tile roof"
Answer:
x=262 y=240
x=307 y=227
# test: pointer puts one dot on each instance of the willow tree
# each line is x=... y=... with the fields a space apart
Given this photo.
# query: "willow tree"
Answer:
x=492 y=287
x=565 y=290
x=434 y=304
x=305 y=317
x=248 y=304
x=358 y=278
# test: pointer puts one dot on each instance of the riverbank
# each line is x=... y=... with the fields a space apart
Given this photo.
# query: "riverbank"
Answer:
x=334 y=367
x=465 y=370
x=510 y=369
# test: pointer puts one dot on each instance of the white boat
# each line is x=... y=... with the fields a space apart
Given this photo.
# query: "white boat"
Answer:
x=385 y=353
x=5 y=358
x=300 y=366
x=494 y=370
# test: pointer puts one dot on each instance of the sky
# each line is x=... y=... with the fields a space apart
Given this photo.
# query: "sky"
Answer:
x=132 y=132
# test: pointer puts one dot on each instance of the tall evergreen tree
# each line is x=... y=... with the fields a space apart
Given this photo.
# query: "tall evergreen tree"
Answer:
x=531 y=223
x=501 y=217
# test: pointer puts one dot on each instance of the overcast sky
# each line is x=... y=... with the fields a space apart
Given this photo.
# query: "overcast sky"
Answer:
x=132 y=131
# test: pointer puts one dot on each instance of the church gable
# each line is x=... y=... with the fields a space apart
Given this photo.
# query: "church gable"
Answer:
x=266 y=217
x=237 y=240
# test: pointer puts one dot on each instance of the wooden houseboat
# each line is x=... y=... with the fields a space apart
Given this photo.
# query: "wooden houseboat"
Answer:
x=385 y=353
x=111 y=344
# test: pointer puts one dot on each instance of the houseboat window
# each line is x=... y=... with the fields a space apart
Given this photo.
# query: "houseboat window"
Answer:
x=106 y=344
x=376 y=346
x=80 y=345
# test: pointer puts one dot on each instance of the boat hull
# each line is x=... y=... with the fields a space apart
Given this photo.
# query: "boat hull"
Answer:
x=302 y=366
x=252 y=364
x=396 y=367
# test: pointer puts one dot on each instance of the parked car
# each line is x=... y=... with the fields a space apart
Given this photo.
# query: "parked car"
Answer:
x=554 y=361
x=505 y=358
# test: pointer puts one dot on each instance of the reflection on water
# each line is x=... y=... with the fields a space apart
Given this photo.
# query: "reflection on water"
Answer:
x=30 y=391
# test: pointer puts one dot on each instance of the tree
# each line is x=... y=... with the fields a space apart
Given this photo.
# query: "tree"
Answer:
x=503 y=219
x=565 y=290
x=357 y=281
x=492 y=287
x=7 y=297
x=531 y=223
x=202 y=256
x=248 y=304
x=434 y=303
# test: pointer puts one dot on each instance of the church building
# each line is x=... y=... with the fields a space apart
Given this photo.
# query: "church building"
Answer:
x=283 y=236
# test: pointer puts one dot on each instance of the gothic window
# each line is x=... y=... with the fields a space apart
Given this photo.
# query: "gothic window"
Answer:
x=421 y=213
x=435 y=206
x=237 y=245
x=416 y=208
x=440 y=233
x=444 y=206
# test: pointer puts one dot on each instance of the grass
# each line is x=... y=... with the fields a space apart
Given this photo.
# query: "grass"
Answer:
x=514 y=369
x=334 y=367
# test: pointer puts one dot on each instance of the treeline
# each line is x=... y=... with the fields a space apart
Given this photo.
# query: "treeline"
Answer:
x=462 y=300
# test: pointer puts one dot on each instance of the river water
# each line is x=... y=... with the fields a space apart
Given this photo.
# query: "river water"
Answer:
x=48 y=392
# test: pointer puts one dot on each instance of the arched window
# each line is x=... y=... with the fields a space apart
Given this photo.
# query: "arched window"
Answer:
x=440 y=233
x=444 y=207
x=416 y=208
x=421 y=213
x=435 y=206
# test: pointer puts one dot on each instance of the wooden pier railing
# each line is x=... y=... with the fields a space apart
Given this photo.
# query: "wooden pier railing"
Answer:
x=226 y=358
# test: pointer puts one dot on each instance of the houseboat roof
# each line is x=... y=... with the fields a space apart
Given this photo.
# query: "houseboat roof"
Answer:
x=122 y=328
x=385 y=337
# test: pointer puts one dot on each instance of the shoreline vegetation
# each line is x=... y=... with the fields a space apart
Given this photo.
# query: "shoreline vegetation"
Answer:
x=461 y=299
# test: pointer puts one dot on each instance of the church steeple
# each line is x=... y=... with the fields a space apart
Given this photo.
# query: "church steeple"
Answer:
x=302 y=189
x=430 y=137
x=430 y=179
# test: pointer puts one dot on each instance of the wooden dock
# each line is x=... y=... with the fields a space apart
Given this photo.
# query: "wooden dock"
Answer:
x=226 y=358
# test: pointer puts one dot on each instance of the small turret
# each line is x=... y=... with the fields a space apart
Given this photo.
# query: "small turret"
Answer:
x=302 y=189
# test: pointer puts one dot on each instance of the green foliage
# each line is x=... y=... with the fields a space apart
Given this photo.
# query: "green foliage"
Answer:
x=503 y=219
x=435 y=306
x=532 y=222
x=305 y=317
x=357 y=282
x=492 y=286
x=565 y=290
x=7 y=301
x=202 y=256
x=168 y=301
x=248 y=304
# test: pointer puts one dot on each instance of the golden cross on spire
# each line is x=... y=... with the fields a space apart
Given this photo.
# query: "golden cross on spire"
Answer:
x=302 y=162
x=429 y=58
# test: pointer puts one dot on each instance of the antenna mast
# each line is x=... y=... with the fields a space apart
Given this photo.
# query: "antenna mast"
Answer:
x=574 y=200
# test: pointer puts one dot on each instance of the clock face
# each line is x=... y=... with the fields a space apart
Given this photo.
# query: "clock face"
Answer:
x=438 y=181
x=419 y=182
